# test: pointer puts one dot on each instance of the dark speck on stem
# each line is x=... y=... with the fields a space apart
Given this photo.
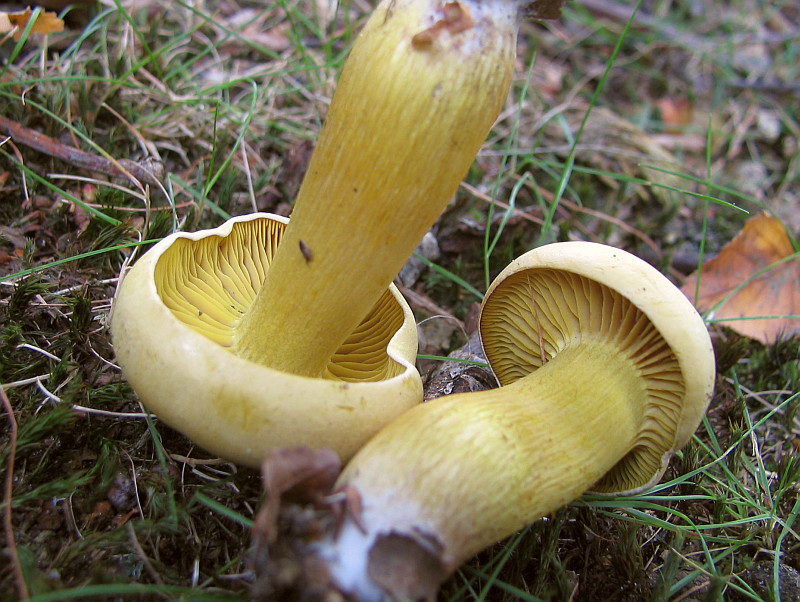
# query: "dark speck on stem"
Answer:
x=306 y=251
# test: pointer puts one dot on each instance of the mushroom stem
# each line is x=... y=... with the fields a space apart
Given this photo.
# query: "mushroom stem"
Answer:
x=417 y=97
x=524 y=450
x=607 y=370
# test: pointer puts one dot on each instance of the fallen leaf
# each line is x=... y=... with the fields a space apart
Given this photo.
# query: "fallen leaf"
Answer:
x=45 y=22
x=735 y=280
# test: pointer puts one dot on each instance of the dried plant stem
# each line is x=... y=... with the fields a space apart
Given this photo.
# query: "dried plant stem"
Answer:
x=11 y=544
x=137 y=547
x=74 y=156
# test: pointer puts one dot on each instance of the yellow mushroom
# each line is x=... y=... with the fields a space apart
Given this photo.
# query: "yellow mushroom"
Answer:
x=173 y=326
x=606 y=370
x=246 y=345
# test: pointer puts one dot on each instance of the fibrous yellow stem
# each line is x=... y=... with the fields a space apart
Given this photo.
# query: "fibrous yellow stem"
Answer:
x=461 y=472
x=417 y=97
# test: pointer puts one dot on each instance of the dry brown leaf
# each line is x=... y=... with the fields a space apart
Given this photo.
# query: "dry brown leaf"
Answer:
x=762 y=242
x=45 y=22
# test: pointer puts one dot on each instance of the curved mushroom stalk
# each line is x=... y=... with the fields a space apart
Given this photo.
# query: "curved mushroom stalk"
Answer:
x=418 y=94
x=173 y=327
x=606 y=370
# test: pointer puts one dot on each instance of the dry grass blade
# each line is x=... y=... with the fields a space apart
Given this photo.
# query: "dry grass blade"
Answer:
x=8 y=490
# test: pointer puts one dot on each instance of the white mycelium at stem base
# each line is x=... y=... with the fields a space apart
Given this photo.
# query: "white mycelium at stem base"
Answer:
x=417 y=97
x=606 y=370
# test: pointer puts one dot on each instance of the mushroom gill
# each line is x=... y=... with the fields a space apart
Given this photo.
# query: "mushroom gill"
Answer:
x=525 y=313
x=209 y=283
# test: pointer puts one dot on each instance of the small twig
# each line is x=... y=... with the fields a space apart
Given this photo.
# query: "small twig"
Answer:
x=23 y=382
x=197 y=461
x=22 y=174
x=37 y=380
x=46 y=392
x=121 y=168
x=118 y=207
x=108 y=413
x=77 y=287
x=108 y=363
x=146 y=146
x=617 y=222
x=250 y=190
x=148 y=566
x=195 y=572
x=11 y=543
x=95 y=182
x=135 y=484
x=70 y=514
x=482 y=196
x=458 y=323
x=39 y=350
x=423 y=303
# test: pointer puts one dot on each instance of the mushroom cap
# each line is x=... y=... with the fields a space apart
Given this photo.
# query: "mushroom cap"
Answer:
x=172 y=327
x=558 y=294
